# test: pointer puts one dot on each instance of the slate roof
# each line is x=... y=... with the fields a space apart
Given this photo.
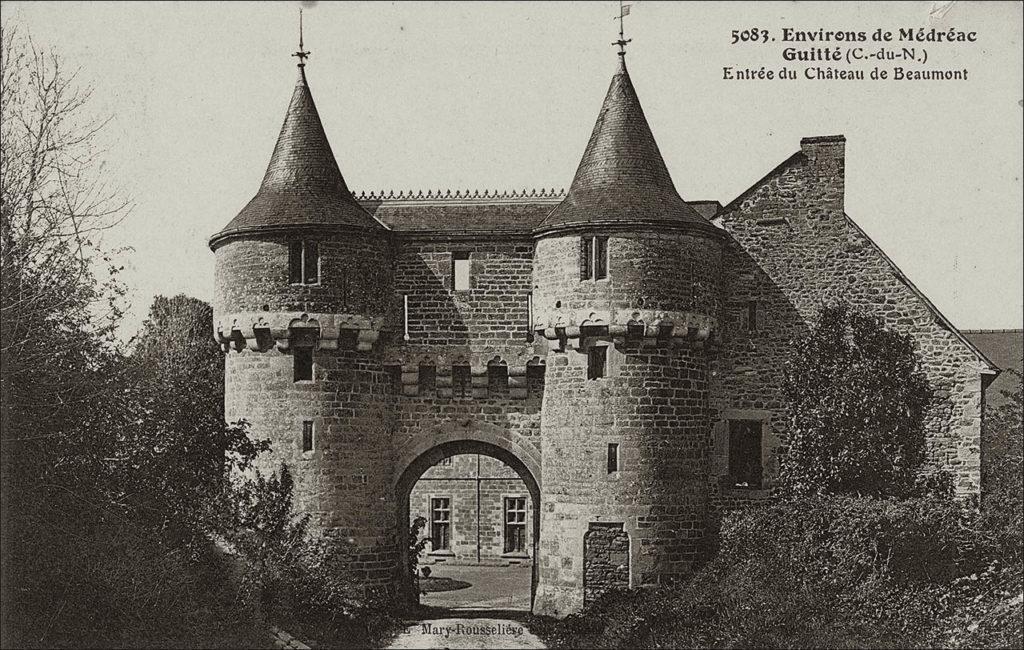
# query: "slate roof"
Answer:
x=1006 y=349
x=622 y=176
x=302 y=185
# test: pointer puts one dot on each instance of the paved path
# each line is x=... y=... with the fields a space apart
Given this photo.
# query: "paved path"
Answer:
x=467 y=633
x=490 y=588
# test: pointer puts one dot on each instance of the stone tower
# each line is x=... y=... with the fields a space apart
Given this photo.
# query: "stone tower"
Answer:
x=303 y=284
x=626 y=292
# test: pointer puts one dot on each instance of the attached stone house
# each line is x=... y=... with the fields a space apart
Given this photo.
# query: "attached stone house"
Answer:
x=618 y=347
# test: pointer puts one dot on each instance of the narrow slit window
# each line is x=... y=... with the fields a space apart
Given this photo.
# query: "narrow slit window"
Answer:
x=745 y=463
x=460 y=271
x=307 y=435
x=303 y=262
x=586 y=258
x=515 y=524
x=303 y=364
x=440 y=523
x=752 y=316
x=600 y=258
x=613 y=457
x=597 y=359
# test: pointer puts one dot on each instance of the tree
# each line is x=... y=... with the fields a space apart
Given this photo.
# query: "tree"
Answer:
x=857 y=398
x=180 y=449
x=59 y=295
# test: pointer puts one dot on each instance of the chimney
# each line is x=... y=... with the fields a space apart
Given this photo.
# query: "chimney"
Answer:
x=827 y=157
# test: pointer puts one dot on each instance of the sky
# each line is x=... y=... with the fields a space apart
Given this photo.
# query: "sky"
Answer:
x=504 y=96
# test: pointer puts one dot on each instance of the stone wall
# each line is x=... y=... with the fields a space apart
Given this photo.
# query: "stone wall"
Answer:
x=344 y=482
x=477 y=487
x=652 y=403
x=488 y=318
x=251 y=275
x=794 y=249
x=605 y=560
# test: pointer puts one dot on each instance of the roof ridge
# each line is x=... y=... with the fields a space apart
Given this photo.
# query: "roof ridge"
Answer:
x=458 y=195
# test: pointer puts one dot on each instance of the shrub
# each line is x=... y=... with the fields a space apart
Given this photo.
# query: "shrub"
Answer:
x=857 y=398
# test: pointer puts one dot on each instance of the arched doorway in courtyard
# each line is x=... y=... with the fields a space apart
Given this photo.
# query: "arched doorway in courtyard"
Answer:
x=460 y=480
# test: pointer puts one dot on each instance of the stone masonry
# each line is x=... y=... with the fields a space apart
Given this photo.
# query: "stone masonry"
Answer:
x=613 y=351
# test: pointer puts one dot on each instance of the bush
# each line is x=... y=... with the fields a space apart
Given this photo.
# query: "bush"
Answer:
x=827 y=572
x=857 y=397
x=299 y=581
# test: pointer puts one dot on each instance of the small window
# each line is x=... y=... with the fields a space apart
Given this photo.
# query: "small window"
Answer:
x=307 y=435
x=462 y=381
x=586 y=258
x=515 y=524
x=303 y=364
x=613 y=457
x=427 y=377
x=460 y=271
x=303 y=262
x=597 y=358
x=593 y=258
x=600 y=258
x=535 y=380
x=752 y=316
x=440 y=523
x=497 y=379
x=745 y=469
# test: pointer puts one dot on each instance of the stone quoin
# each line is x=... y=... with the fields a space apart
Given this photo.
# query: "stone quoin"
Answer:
x=618 y=347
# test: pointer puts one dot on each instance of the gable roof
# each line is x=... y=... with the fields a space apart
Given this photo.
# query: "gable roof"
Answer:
x=989 y=367
x=622 y=176
x=303 y=185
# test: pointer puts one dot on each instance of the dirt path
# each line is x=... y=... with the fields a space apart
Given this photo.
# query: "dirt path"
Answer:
x=467 y=633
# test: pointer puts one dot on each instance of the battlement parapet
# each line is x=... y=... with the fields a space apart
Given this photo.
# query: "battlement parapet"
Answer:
x=562 y=327
x=260 y=331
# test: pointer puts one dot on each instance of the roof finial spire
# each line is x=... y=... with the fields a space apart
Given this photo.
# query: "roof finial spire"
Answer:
x=303 y=54
x=623 y=12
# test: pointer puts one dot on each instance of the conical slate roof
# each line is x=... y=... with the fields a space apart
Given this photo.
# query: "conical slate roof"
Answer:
x=622 y=176
x=303 y=185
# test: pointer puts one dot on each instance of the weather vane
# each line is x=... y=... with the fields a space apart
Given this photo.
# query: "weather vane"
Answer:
x=302 y=54
x=623 y=12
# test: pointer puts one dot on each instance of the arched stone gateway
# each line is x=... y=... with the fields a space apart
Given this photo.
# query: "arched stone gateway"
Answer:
x=422 y=453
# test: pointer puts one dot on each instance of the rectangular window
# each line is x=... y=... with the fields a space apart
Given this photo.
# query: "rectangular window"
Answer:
x=462 y=381
x=613 y=457
x=307 y=435
x=597 y=357
x=745 y=470
x=427 y=377
x=515 y=524
x=600 y=258
x=593 y=258
x=586 y=258
x=752 y=316
x=303 y=262
x=440 y=523
x=303 y=364
x=460 y=271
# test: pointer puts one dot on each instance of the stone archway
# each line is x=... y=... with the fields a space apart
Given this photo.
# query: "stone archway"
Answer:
x=422 y=453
